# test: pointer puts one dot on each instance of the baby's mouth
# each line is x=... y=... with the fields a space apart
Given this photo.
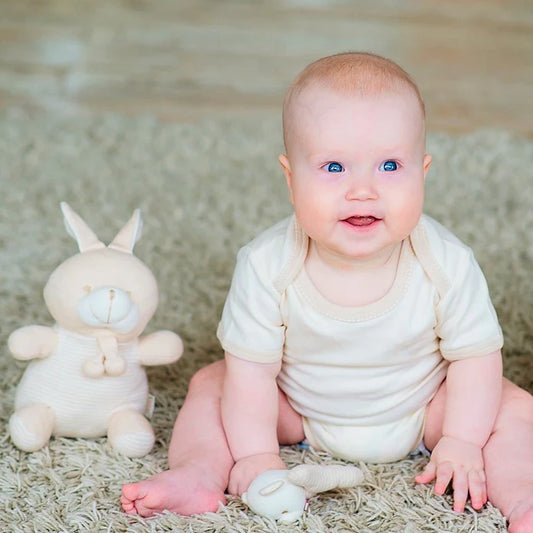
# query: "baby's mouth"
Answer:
x=360 y=220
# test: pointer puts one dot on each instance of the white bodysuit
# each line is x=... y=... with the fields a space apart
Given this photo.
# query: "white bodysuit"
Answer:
x=361 y=377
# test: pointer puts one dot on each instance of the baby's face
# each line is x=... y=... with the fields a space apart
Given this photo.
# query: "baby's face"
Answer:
x=356 y=169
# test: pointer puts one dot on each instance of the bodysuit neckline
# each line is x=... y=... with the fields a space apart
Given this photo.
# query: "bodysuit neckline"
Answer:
x=308 y=291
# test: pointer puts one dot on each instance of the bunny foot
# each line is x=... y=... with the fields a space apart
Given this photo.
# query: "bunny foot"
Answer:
x=130 y=433
x=31 y=427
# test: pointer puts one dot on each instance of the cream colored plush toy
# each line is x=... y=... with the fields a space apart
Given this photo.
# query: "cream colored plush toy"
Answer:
x=282 y=494
x=86 y=378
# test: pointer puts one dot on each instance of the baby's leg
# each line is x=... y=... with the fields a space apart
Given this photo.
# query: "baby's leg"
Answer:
x=290 y=425
x=199 y=458
x=509 y=459
x=508 y=454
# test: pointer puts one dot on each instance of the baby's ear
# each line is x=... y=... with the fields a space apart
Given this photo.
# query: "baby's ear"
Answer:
x=428 y=158
x=77 y=228
x=128 y=236
x=286 y=166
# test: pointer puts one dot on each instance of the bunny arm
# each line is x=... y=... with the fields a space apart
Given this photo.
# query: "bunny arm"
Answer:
x=160 y=348
x=32 y=342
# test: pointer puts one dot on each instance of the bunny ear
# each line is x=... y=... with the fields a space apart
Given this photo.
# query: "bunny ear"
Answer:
x=272 y=487
x=129 y=234
x=77 y=228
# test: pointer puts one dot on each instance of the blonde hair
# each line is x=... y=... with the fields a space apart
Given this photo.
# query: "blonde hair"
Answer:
x=353 y=73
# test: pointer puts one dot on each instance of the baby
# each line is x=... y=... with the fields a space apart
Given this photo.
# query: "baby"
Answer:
x=359 y=323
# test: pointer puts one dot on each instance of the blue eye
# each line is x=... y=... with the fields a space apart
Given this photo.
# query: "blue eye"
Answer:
x=389 y=166
x=334 y=167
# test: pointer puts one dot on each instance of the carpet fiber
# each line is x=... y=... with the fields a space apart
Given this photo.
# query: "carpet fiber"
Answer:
x=204 y=190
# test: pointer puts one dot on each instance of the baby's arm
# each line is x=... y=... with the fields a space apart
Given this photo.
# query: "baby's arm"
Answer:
x=473 y=390
x=250 y=415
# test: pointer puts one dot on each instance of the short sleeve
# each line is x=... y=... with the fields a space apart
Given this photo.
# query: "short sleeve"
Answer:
x=251 y=326
x=467 y=322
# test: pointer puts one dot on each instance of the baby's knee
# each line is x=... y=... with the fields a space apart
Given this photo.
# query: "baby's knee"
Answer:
x=210 y=376
x=516 y=401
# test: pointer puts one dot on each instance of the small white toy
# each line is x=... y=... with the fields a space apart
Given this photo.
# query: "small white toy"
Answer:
x=271 y=494
x=282 y=494
x=86 y=378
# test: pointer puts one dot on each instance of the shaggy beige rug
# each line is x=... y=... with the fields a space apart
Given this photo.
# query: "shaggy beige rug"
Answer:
x=204 y=190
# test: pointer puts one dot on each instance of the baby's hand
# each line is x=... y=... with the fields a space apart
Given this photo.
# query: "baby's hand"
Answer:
x=247 y=469
x=461 y=463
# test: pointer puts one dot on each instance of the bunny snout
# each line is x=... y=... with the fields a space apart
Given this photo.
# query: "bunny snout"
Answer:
x=109 y=307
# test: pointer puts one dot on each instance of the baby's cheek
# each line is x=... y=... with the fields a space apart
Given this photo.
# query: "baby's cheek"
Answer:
x=407 y=215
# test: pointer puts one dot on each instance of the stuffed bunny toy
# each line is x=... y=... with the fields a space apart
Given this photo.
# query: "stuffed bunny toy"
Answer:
x=86 y=378
x=282 y=494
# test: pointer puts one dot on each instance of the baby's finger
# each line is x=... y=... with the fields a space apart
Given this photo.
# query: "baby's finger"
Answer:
x=477 y=488
x=232 y=487
x=427 y=475
x=235 y=485
x=444 y=476
x=460 y=490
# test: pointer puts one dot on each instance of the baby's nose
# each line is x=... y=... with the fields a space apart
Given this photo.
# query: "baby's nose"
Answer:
x=361 y=187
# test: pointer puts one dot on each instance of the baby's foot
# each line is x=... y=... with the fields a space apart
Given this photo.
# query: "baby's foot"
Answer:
x=521 y=518
x=185 y=490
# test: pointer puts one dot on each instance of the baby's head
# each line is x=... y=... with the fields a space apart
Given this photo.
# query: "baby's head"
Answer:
x=352 y=74
x=354 y=132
